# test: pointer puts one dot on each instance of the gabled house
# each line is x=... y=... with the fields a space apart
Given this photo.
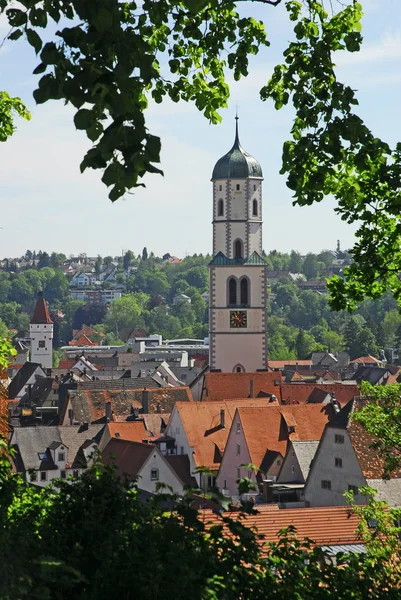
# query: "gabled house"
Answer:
x=345 y=461
x=147 y=465
x=365 y=361
x=45 y=453
x=27 y=375
x=200 y=431
x=82 y=278
x=261 y=436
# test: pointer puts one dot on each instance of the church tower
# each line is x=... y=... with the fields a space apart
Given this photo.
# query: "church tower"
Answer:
x=237 y=293
x=41 y=334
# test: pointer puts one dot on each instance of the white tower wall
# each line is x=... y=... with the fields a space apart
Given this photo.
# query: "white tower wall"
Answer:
x=41 y=336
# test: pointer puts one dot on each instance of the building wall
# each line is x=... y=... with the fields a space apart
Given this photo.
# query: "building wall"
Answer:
x=324 y=469
x=290 y=471
x=166 y=474
x=176 y=430
x=238 y=206
x=42 y=344
x=228 y=473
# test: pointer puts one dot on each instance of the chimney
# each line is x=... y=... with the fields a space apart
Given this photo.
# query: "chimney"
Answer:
x=222 y=418
x=251 y=388
x=268 y=491
x=159 y=408
x=145 y=401
x=335 y=403
x=29 y=393
x=108 y=412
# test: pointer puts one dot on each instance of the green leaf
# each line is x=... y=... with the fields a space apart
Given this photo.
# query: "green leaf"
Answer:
x=15 y=34
x=34 y=39
x=84 y=119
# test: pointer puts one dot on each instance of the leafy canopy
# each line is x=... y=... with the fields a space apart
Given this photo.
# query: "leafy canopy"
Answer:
x=110 y=58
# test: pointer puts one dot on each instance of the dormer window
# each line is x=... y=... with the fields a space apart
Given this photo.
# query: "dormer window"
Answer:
x=61 y=456
x=42 y=455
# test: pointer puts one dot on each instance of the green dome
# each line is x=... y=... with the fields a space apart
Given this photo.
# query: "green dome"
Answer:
x=237 y=164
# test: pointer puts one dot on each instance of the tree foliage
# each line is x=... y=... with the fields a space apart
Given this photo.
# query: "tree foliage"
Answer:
x=9 y=109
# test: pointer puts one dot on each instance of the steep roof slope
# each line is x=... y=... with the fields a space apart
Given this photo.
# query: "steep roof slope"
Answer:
x=202 y=425
x=300 y=393
x=270 y=427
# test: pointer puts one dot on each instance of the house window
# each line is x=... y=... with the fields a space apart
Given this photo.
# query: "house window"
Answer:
x=63 y=475
x=338 y=462
x=238 y=187
x=43 y=476
x=238 y=427
x=238 y=449
x=61 y=457
x=292 y=469
x=154 y=475
x=42 y=343
x=338 y=439
x=238 y=249
x=220 y=208
x=182 y=449
x=326 y=484
x=225 y=484
x=75 y=473
x=211 y=481
x=238 y=473
x=255 y=208
x=34 y=476
x=353 y=488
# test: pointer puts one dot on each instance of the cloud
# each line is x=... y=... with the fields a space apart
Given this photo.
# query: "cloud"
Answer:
x=386 y=49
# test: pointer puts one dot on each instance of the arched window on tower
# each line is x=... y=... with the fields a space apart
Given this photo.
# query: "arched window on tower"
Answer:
x=255 y=208
x=238 y=369
x=220 y=208
x=244 y=291
x=232 y=291
x=238 y=249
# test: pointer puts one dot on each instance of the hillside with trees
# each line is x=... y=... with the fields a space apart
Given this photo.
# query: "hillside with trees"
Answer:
x=300 y=321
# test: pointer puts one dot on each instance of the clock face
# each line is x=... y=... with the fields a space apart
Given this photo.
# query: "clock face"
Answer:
x=238 y=318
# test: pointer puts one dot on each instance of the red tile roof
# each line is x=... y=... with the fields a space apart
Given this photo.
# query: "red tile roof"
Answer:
x=131 y=431
x=41 y=314
x=299 y=393
x=267 y=427
x=82 y=340
x=326 y=526
x=366 y=360
x=201 y=423
x=128 y=457
x=220 y=386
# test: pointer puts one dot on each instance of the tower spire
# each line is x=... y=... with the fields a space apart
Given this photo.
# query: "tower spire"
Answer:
x=236 y=127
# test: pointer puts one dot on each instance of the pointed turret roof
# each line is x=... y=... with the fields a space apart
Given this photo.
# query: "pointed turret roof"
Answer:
x=41 y=314
x=237 y=163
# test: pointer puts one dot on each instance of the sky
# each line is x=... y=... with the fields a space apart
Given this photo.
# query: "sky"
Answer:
x=47 y=204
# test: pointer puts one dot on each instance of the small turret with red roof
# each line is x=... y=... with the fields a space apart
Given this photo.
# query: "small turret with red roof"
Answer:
x=41 y=313
x=41 y=334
